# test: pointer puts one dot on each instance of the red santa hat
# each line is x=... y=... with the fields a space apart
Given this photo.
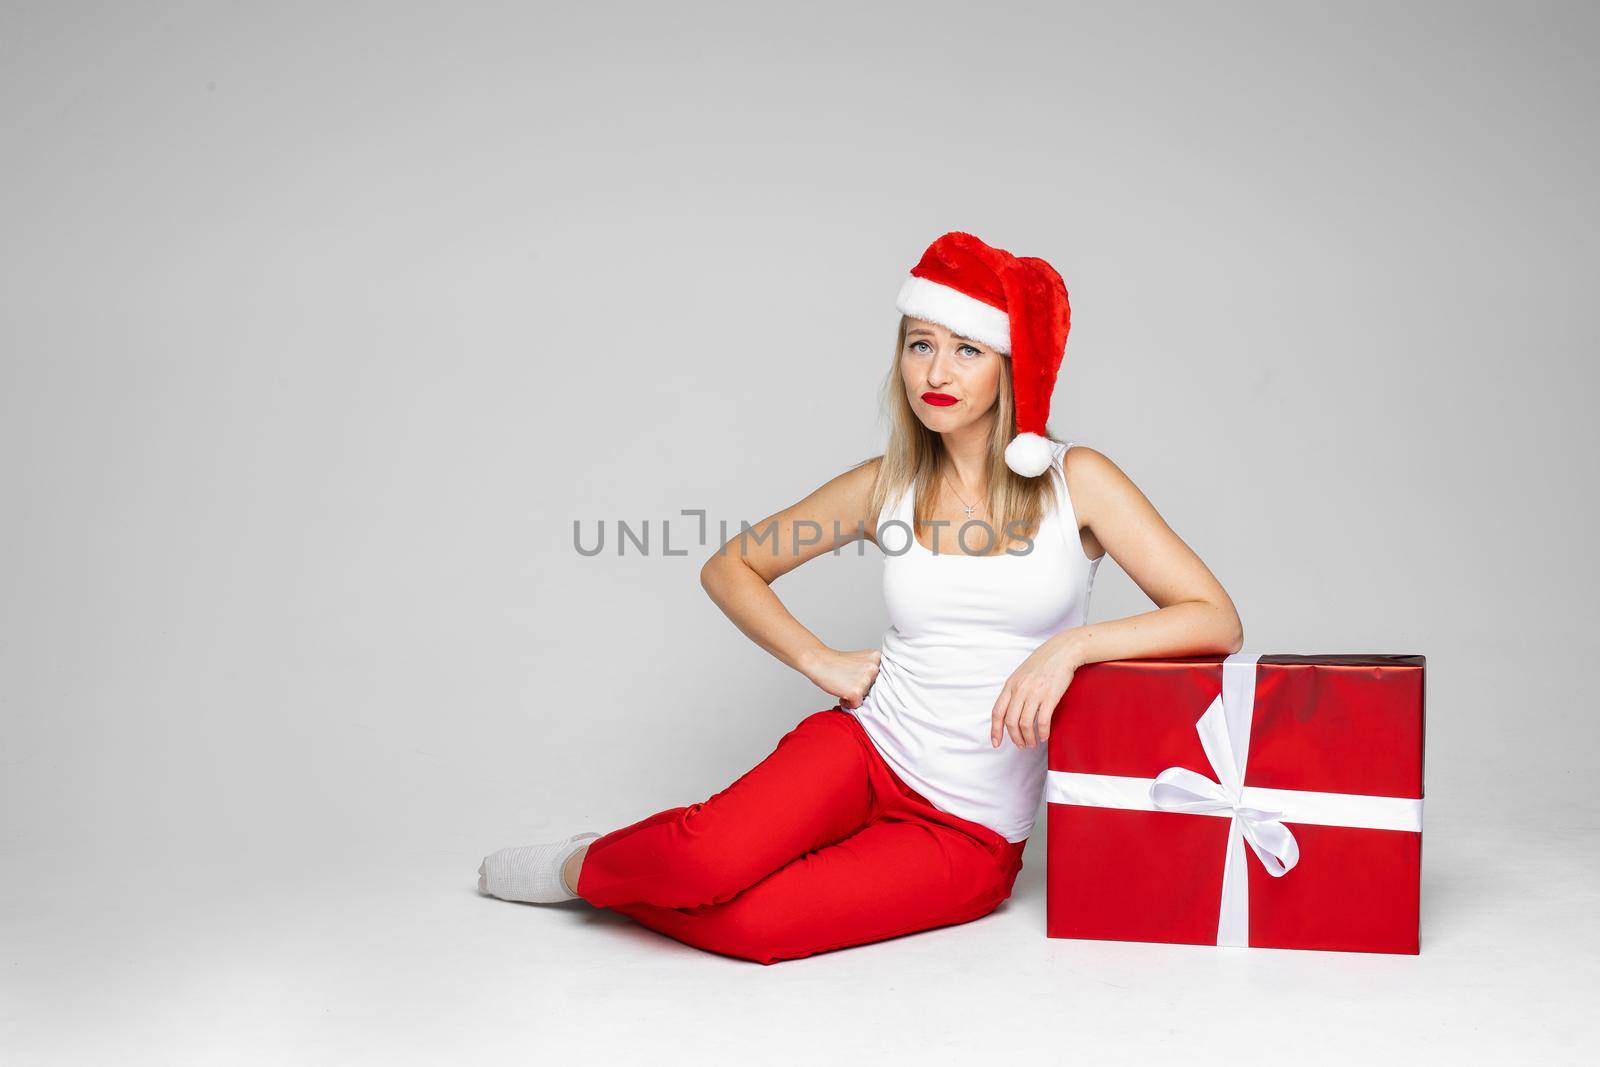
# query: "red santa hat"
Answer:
x=1016 y=305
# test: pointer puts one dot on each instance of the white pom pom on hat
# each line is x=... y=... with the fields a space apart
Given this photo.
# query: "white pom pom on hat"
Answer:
x=1029 y=454
x=1016 y=305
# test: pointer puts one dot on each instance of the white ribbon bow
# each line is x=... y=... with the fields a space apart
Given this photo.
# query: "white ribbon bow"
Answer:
x=1225 y=736
x=1258 y=814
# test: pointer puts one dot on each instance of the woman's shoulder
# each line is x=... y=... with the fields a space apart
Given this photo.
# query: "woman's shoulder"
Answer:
x=1093 y=479
x=862 y=476
x=1078 y=465
x=870 y=465
x=1075 y=457
x=860 y=479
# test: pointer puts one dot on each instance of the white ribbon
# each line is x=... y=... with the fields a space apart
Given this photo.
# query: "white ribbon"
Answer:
x=1258 y=815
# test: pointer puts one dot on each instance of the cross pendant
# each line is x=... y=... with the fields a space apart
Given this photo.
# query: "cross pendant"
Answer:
x=970 y=508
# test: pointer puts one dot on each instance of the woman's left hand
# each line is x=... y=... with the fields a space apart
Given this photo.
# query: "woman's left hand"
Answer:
x=1030 y=695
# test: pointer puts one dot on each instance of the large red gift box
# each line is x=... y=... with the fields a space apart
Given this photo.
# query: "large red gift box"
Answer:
x=1263 y=800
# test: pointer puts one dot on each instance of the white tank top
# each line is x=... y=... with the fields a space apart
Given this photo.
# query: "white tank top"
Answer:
x=959 y=625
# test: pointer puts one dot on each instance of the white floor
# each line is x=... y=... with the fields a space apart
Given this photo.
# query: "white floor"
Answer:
x=394 y=958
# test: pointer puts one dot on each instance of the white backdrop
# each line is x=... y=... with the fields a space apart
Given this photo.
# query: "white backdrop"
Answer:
x=320 y=326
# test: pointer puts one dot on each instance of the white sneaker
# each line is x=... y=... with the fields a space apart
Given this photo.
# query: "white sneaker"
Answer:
x=530 y=873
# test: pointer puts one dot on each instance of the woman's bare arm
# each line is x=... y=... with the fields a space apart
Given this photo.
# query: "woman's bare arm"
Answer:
x=1194 y=614
x=739 y=577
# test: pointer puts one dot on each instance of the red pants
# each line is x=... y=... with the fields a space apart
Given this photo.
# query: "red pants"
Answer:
x=818 y=847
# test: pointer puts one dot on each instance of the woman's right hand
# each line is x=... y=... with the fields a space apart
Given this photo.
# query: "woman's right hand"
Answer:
x=846 y=675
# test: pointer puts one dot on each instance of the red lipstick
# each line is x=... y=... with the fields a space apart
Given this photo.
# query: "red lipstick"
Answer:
x=938 y=400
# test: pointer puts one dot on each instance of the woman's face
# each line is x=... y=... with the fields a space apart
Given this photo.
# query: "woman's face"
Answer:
x=950 y=381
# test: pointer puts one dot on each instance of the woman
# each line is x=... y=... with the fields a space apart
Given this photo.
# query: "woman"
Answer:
x=906 y=805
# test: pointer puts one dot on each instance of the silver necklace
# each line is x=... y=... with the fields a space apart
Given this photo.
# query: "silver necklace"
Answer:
x=970 y=509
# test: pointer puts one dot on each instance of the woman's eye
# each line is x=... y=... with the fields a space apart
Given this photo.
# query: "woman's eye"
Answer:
x=974 y=351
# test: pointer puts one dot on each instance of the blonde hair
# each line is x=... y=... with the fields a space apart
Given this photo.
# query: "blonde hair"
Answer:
x=1016 y=504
